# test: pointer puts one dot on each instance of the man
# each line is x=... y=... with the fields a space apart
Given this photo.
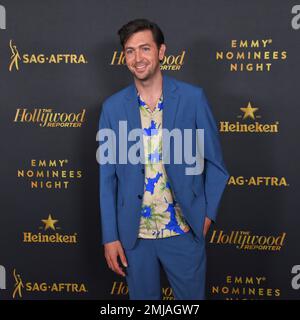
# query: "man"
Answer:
x=153 y=213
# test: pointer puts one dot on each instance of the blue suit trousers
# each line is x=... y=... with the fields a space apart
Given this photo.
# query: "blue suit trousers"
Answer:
x=182 y=257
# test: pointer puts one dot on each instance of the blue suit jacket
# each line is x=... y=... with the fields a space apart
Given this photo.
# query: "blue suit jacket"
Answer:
x=122 y=185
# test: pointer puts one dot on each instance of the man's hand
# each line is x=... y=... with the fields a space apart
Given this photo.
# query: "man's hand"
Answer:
x=112 y=251
x=207 y=223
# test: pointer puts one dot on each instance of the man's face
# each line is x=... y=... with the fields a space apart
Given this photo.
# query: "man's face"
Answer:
x=142 y=55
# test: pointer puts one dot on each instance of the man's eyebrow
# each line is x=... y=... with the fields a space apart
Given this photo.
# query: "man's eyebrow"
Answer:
x=141 y=45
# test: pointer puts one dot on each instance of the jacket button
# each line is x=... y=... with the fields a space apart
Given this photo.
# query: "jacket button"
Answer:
x=143 y=171
x=140 y=196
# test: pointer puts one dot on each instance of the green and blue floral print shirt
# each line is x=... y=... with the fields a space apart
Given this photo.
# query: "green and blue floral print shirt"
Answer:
x=161 y=215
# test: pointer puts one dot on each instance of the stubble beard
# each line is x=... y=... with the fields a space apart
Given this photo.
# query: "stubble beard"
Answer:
x=145 y=76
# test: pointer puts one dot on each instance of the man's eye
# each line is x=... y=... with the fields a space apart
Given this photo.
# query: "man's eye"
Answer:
x=146 y=49
x=129 y=51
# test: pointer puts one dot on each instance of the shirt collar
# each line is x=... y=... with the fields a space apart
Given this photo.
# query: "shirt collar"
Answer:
x=143 y=103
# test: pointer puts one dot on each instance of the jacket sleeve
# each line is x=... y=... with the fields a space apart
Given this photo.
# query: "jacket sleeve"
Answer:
x=215 y=173
x=108 y=191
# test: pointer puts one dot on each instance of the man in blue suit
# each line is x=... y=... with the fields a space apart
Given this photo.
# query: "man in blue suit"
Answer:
x=156 y=213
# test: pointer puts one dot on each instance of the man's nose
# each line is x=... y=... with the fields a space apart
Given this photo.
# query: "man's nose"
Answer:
x=138 y=55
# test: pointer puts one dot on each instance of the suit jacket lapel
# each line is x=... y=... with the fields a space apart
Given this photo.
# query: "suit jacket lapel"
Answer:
x=171 y=99
x=170 y=106
x=132 y=108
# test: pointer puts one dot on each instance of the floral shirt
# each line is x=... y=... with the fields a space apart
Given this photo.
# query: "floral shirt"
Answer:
x=161 y=216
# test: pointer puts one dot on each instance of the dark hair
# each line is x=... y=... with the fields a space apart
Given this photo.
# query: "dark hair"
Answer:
x=138 y=25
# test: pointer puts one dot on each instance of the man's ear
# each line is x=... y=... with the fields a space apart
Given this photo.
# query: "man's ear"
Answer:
x=161 y=52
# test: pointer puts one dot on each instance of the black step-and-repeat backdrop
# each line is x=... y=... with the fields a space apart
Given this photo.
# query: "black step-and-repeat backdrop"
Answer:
x=60 y=59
